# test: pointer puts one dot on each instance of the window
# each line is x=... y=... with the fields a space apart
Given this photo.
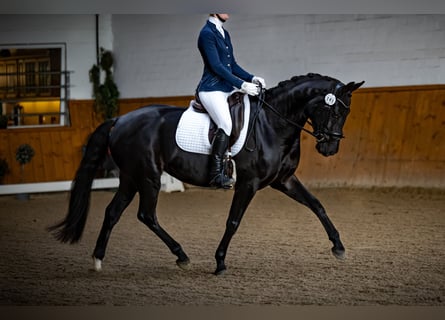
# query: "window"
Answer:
x=34 y=85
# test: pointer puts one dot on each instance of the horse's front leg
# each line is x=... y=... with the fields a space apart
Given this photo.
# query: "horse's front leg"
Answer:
x=241 y=199
x=294 y=189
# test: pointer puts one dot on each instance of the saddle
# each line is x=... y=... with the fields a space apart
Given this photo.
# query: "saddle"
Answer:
x=236 y=108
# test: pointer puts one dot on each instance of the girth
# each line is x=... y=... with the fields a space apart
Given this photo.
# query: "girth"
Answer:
x=236 y=108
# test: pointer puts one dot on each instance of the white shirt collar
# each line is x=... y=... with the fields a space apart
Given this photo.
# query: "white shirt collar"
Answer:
x=218 y=24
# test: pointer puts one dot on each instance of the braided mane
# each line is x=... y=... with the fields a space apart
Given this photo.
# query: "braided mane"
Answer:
x=287 y=86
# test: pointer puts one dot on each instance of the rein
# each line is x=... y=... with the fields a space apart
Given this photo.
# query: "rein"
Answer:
x=263 y=102
x=319 y=136
x=260 y=98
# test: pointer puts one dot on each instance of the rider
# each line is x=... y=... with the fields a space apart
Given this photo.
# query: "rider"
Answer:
x=220 y=77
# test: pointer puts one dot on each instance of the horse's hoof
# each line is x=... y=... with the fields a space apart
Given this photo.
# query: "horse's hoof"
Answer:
x=97 y=264
x=183 y=264
x=339 y=254
x=220 y=271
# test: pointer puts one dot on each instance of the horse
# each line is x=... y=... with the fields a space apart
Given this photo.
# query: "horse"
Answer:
x=142 y=144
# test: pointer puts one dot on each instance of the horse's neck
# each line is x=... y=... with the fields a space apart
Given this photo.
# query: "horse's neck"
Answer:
x=290 y=107
x=291 y=103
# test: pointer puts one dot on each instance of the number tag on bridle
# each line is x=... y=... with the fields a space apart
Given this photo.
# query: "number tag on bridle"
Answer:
x=330 y=99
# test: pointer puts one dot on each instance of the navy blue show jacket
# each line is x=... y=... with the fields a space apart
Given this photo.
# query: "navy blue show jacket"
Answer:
x=221 y=72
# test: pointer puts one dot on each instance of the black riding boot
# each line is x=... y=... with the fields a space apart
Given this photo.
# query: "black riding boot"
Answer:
x=217 y=175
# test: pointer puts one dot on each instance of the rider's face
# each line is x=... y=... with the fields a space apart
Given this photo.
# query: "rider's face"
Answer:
x=223 y=16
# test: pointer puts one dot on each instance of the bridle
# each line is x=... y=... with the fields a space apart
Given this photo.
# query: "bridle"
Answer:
x=320 y=136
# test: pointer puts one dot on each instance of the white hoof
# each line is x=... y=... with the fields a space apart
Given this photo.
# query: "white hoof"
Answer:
x=97 y=264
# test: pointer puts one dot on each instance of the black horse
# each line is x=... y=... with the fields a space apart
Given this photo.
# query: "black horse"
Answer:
x=142 y=144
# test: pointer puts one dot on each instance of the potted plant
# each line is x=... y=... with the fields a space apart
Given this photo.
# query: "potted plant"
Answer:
x=106 y=94
x=4 y=169
x=106 y=99
x=23 y=155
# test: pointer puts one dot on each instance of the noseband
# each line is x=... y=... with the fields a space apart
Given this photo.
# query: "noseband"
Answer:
x=326 y=135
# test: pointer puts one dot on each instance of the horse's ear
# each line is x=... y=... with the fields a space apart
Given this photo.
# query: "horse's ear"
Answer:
x=350 y=87
x=357 y=85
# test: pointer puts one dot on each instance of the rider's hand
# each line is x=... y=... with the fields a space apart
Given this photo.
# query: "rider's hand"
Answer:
x=250 y=88
x=259 y=80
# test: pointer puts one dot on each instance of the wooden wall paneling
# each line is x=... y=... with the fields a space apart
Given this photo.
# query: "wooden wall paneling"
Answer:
x=399 y=138
x=364 y=170
x=399 y=104
x=438 y=138
x=47 y=153
x=394 y=122
x=127 y=105
x=411 y=153
x=81 y=114
x=436 y=119
x=423 y=150
x=408 y=150
x=63 y=153
x=30 y=168
x=35 y=171
x=374 y=152
x=68 y=153
x=75 y=113
x=431 y=116
x=381 y=148
x=78 y=139
x=14 y=174
x=56 y=147
x=355 y=130
x=394 y=137
x=376 y=134
x=20 y=137
x=5 y=153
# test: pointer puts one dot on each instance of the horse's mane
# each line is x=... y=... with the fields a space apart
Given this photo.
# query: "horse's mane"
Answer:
x=284 y=87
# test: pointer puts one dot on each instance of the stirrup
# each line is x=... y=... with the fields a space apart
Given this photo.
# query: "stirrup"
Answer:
x=221 y=181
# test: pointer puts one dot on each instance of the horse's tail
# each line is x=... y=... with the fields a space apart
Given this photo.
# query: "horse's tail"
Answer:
x=71 y=228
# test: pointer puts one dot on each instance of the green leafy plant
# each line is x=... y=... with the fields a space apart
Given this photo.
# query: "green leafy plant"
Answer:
x=23 y=155
x=106 y=94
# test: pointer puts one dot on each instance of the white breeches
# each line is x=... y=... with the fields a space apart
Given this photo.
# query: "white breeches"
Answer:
x=215 y=102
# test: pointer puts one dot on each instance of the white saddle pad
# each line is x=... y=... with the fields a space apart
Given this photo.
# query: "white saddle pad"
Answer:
x=192 y=133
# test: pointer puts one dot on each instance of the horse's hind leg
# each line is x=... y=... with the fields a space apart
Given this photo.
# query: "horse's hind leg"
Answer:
x=147 y=215
x=121 y=200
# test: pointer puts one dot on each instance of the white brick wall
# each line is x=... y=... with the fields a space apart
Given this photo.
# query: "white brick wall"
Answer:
x=157 y=55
